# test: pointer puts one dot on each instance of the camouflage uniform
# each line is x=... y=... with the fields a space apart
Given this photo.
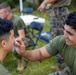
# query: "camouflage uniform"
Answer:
x=56 y=20
x=57 y=17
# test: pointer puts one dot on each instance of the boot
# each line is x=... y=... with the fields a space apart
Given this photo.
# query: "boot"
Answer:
x=22 y=64
x=54 y=68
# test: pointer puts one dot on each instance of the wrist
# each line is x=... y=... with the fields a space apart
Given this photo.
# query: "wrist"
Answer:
x=24 y=54
x=45 y=3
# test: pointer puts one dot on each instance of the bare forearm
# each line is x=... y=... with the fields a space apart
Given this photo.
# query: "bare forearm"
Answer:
x=33 y=55
x=37 y=54
x=21 y=34
x=49 y=1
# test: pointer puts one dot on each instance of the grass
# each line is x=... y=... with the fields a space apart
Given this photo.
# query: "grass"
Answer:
x=33 y=68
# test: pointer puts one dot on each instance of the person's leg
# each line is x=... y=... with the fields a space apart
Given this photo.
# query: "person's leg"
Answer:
x=63 y=72
x=22 y=63
x=57 y=19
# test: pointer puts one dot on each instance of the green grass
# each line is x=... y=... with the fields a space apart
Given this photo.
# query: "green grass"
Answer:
x=33 y=68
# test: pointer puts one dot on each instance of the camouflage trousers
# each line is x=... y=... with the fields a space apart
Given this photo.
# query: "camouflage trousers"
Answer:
x=27 y=40
x=57 y=17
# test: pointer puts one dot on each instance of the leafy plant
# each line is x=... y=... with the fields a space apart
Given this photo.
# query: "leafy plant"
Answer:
x=28 y=4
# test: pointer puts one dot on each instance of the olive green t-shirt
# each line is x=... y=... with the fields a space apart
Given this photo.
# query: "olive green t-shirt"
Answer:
x=61 y=3
x=18 y=24
x=3 y=70
x=58 y=45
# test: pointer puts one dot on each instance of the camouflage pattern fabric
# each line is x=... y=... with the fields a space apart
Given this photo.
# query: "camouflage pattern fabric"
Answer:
x=27 y=40
x=56 y=19
x=63 y=72
x=60 y=62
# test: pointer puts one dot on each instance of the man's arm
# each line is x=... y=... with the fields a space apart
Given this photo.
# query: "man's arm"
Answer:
x=32 y=55
x=21 y=34
x=49 y=1
x=45 y=2
x=37 y=54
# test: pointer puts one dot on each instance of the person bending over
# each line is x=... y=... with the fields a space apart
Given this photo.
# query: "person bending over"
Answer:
x=63 y=44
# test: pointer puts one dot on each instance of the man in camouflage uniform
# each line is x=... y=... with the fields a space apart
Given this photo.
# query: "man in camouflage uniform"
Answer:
x=57 y=14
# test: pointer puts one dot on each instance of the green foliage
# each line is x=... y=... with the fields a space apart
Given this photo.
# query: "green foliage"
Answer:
x=15 y=3
x=28 y=4
x=12 y=3
x=72 y=5
x=73 y=2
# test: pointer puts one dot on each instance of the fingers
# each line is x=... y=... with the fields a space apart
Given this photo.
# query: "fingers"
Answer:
x=18 y=41
x=40 y=9
x=18 y=51
x=19 y=45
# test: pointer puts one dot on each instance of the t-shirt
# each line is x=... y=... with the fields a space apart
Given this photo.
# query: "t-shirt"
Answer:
x=18 y=24
x=61 y=3
x=3 y=70
x=58 y=45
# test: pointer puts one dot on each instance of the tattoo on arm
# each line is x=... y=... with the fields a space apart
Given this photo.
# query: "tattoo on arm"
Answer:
x=40 y=58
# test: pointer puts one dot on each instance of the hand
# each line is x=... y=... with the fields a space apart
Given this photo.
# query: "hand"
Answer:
x=42 y=7
x=20 y=47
